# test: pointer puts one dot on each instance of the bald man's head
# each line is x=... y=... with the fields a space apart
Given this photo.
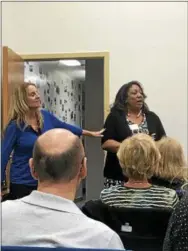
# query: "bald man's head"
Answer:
x=57 y=155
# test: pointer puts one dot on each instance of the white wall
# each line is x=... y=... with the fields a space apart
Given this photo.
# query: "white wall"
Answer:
x=147 y=41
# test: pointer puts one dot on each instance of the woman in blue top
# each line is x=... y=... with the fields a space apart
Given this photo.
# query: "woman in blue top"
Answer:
x=26 y=122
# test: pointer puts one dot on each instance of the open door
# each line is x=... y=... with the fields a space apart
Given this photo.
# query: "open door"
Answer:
x=94 y=118
x=13 y=75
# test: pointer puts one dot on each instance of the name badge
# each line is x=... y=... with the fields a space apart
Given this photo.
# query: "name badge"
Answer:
x=126 y=228
x=134 y=127
x=153 y=135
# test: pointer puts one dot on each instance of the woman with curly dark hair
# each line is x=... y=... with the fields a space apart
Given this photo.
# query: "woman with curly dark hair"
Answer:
x=129 y=115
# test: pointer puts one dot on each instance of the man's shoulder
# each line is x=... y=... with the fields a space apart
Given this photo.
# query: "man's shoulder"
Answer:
x=93 y=231
x=10 y=203
x=99 y=226
x=104 y=235
x=10 y=206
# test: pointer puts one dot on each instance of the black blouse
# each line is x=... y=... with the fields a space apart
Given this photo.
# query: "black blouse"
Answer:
x=117 y=128
x=176 y=184
x=177 y=233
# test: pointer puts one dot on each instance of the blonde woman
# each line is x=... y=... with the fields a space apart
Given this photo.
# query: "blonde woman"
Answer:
x=172 y=171
x=139 y=157
x=26 y=122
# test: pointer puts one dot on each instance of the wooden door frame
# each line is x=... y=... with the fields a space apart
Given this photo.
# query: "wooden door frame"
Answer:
x=80 y=55
x=4 y=88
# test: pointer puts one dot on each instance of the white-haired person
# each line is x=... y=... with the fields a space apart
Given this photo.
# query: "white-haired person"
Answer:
x=172 y=171
x=27 y=121
x=139 y=157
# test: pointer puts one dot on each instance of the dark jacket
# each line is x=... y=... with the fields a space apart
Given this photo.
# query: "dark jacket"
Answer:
x=177 y=233
x=97 y=210
x=148 y=225
x=178 y=185
x=118 y=129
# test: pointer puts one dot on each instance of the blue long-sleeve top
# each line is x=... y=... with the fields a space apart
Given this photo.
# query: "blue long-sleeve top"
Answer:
x=21 y=141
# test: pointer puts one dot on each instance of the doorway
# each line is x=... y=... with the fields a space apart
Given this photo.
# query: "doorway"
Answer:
x=91 y=93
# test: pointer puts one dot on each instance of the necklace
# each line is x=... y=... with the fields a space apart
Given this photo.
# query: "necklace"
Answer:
x=138 y=115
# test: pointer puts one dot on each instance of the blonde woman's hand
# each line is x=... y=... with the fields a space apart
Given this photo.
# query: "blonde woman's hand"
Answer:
x=97 y=134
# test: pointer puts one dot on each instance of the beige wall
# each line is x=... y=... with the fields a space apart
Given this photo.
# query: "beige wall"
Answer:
x=147 y=41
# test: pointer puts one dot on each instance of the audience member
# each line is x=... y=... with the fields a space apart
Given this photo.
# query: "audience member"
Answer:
x=172 y=171
x=139 y=157
x=177 y=233
x=48 y=217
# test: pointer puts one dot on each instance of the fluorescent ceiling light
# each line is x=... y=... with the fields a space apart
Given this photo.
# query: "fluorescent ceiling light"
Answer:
x=70 y=62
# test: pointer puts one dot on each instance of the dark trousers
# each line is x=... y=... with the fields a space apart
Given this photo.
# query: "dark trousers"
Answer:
x=18 y=191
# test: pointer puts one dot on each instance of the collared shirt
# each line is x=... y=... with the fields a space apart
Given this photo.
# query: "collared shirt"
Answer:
x=42 y=219
x=21 y=142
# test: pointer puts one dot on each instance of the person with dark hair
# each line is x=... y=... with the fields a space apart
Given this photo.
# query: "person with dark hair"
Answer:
x=129 y=115
x=48 y=217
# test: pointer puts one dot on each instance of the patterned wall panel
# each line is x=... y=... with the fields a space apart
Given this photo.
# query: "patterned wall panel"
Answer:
x=60 y=94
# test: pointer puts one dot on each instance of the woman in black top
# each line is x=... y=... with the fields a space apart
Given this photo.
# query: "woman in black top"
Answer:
x=177 y=232
x=129 y=115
